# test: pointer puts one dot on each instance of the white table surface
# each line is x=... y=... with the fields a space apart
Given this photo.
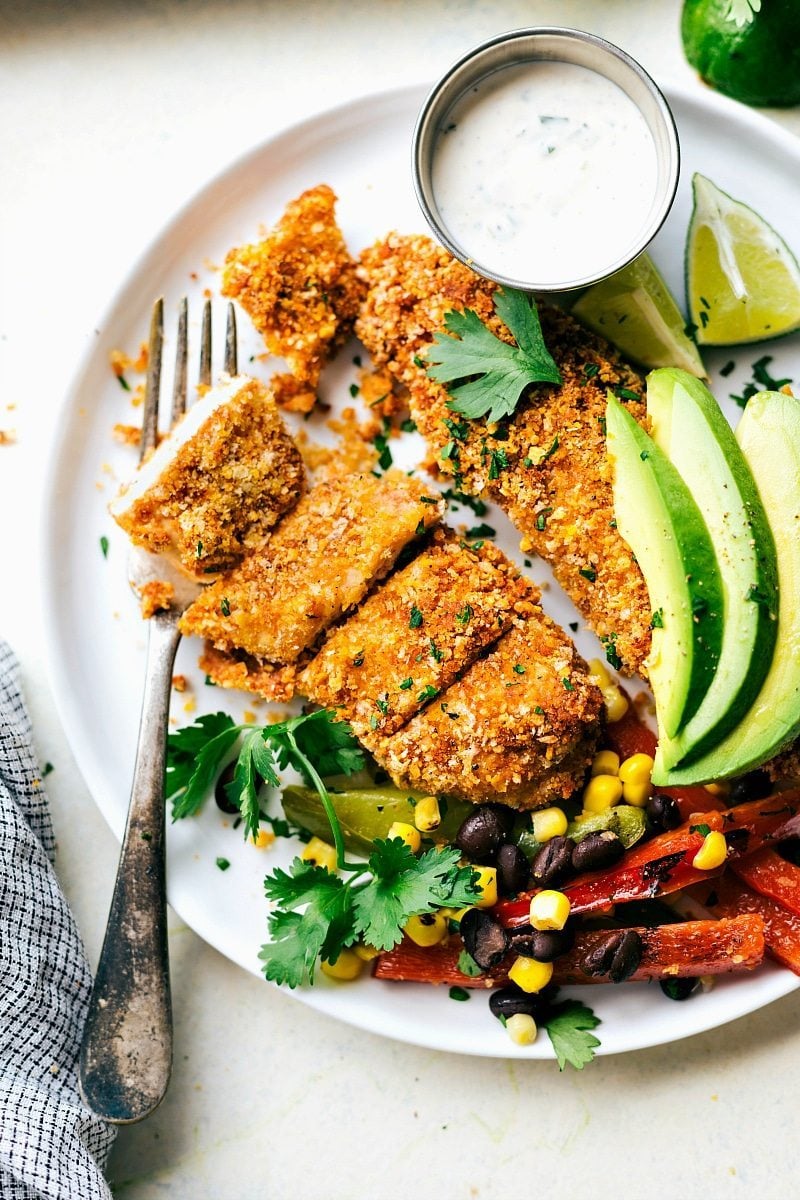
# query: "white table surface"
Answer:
x=111 y=114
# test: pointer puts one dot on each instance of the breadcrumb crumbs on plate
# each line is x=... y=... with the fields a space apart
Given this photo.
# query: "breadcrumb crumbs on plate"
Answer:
x=180 y=683
x=550 y=454
x=7 y=437
x=127 y=435
x=121 y=362
x=156 y=596
x=300 y=289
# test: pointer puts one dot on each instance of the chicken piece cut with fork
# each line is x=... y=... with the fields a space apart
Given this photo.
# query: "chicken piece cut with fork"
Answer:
x=415 y=634
x=519 y=727
x=342 y=537
x=546 y=466
x=300 y=289
x=217 y=484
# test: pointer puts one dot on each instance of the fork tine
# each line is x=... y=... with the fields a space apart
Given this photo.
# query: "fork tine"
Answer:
x=231 y=365
x=205 y=346
x=153 y=384
x=181 y=355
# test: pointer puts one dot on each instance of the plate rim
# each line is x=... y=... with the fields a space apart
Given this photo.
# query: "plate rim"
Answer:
x=56 y=669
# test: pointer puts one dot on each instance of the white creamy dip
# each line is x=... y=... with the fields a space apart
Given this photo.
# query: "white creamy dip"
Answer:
x=545 y=172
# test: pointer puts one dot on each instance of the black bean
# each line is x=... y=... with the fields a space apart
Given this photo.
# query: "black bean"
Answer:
x=678 y=989
x=597 y=850
x=649 y=913
x=616 y=955
x=663 y=812
x=553 y=862
x=484 y=938
x=220 y=795
x=790 y=850
x=545 y=945
x=756 y=785
x=483 y=832
x=512 y=1000
x=513 y=870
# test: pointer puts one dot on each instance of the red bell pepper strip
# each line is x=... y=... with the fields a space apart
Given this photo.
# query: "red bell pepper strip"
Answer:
x=630 y=736
x=688 y=948
x=770 y=875
x=664 y=864
x=730 y=897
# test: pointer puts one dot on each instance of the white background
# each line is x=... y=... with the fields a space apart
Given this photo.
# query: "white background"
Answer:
x=111 y=114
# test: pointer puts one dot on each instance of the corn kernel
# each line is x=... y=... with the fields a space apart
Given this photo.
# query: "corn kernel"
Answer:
x=549 y=910
x=406 y=833
x=721 y=789
x=427 y=816
x=320 y=854
x=521 y=1028
x=636 y=794
x=606 y=762
x=365 y=953
x=636 y=769
x=548 y=823
x=530 y=975
x=601 y=793
x=265 y=838
x=487 y=883
x=616 y=703
x=428 y=929
x=712 y=853
x=348 y=966
x=598 y=673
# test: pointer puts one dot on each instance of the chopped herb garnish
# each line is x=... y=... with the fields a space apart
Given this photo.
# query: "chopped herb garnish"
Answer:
x=644 y=455
x=465 y=615
x=498 y=462
x=657 y=619
x=703 y=830
x=427 y=693
x=358 y=661
x=104 y=546
x=47 y=769
x=703 y=318
x=381 y=444
x=729 y=367
x=382 y=705
x=354 y=390
x=223 y=864
x=479 y=508
x=588 y=573
x=198 y=550
x=518 y=669
x=408 y=426
x=429 y=500
x=436 y=654
x=459 y=993
x=467 y=966
x=418 y=362
x=356 y=360
x=415 y=619
x=406 y=684
x=209 y=682
x=456 y=429
x=449 y=451
x=537 y=708
x=420 y=527
x=123 y=383
x=573 y=626
x=609 y=645
x=225 y=607
x=541 y=522
x=626 y=394
x=590 y=370
x=569 y=686
x=762 y=381
x=481 y=531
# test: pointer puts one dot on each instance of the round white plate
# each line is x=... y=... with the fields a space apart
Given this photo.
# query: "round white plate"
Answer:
x=96 y=640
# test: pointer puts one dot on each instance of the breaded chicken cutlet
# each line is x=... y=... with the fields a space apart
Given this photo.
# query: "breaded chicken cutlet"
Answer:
x=321 y=561
x=519 y=727
x=300 y=289
x=416 y=634
x=546 y=466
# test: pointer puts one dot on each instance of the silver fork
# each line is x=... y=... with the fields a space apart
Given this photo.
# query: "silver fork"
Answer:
x=126 y=1053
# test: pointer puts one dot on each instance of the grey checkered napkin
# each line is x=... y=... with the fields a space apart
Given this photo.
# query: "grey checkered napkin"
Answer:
x=51 y=1145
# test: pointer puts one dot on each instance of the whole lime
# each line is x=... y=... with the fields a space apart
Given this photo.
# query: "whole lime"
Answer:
x=748 y=49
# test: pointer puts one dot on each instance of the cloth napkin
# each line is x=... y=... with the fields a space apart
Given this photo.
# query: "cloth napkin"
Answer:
x=51 y=1145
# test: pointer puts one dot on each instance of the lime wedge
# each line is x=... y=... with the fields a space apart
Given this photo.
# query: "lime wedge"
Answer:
x=635 y=310
x=742 y=280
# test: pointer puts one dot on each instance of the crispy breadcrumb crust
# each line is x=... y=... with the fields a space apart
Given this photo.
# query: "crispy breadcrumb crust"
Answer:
x=320 y=562
x=155 y=596
x=234 y=669
x=300 y=289
x=520 y=737
x=562 y=501
x=225 y=487
x=415 y=634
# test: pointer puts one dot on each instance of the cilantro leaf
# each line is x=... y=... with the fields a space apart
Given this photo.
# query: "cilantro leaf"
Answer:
x=255 y=762
x=194 y=757
x=320 y=931
x=403 y=886
x=493 y=374
x=319 y=737
x=568 y=1026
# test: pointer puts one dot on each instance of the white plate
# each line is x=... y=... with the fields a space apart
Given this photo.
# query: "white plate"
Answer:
x=96 y=640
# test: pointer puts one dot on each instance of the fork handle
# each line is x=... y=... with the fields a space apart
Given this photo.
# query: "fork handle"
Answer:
x=126 y=1053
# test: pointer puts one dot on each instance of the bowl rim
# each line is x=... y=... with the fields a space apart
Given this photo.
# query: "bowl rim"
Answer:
x=434 y=107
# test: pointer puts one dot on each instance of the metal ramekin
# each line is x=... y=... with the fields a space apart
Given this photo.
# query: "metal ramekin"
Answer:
x=562 y=45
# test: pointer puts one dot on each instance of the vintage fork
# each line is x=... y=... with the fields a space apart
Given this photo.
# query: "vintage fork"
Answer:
x=126 y=1053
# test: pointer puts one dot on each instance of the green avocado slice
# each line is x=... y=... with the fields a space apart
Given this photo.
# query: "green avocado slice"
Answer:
x=691 y=429
x=661 y=523
x=769 y=437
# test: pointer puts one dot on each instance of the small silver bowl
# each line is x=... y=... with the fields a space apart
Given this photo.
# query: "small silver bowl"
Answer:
x=560 y=45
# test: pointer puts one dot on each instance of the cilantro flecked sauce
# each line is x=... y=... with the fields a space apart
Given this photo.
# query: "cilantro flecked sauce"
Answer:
x=545 y=172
